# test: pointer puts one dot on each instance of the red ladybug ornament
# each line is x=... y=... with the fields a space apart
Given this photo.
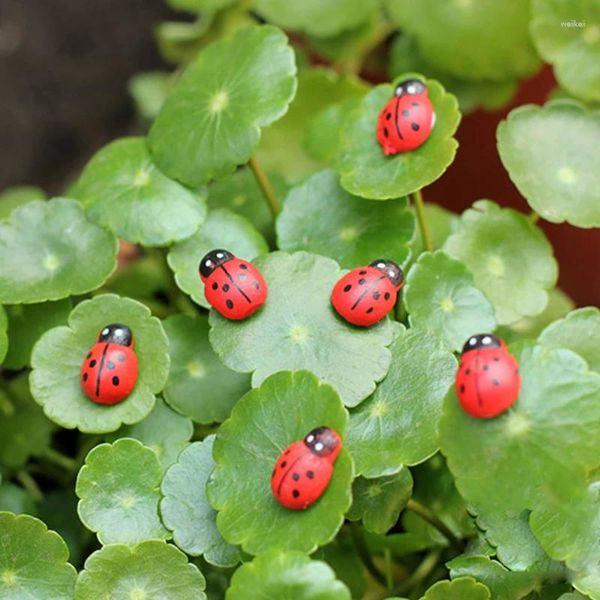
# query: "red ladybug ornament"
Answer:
x=367 y=294
x=488 y=380
x=407 y=119
x=303 y=471
x=109 y=372
x=232 y=286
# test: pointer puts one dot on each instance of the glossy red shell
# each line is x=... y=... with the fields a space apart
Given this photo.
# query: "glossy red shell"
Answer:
x=487 y=381
x=109 y=373
x=405 y=123
x=300 y=476
x=364 y=296
x=236 y=289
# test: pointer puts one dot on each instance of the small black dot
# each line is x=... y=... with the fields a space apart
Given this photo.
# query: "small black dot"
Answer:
x=115 y=380
x=362 y=272
x=486 y=367
x=362 y=281
x=414 y=104
x=496 y=359
x=85 y=376
x=242 y=276
x=387 y=295
x=244 y=267
x=388 y=116
x=415 y=126
x=376 y=295
x=121 y=357
x=347 y=288
x=229 y=304
x=462 y=389
x=386 y=133
x=92 y=363
x=284 y=464
x=467 y=371
x=215 y=285
x=89 y=355
x=310 y=474
x=295 y=493
x=225 y=287
x=405 y=113
x=287 y=451
x=110 y=365
x=369 y=310
x=256 y=285
x=296 y=476
x=495 y=382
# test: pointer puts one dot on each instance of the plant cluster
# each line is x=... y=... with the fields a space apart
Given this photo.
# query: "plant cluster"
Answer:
x=166 y=495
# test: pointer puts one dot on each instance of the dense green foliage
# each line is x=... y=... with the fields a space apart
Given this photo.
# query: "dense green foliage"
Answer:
x=166 y=496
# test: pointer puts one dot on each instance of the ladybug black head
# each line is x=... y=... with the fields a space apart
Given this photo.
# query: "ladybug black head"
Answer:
x=391 y=269
x=411 y=87
x=116 y=334
x=482 y=340
x=212 y=260
x=323 y=441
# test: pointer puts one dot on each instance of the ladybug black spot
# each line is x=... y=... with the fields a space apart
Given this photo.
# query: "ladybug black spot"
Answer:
x=89 y=355
x=387 y=295
x=362 y=281
x=295 y=493
x=92 y=363
x=369 y=310
x=467 y=371
x=462 y=389
x=486 y=367
x=225 y=287
x=496 y=359
x=310 y=474
x=215 y=285
x=347 y=288
x=229 y=304
x=415 y=126
x=85 y=376
x=376 y=295
x=414 y=104
x=287 y=451
x=495 y=382
x=121 y=357
x=256 y=285
x=244 y=267
x=362 y=272
x=110 y=365
x=405 y=113
x=386 y=133
x=388 y=116
x=296 y=476
x=115 y=381
x=284 y=464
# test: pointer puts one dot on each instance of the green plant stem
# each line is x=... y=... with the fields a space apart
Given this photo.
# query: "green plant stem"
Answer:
x=434 y=521
x=389 y=578
x=265 y=186
x=420 y=574
x=60 y=459
x=7 y=406
x=420 y=211
x=363 y=553
x=29 y=483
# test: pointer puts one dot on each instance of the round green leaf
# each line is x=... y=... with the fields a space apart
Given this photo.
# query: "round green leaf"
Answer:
x=211 y=121
x=465 y=588
x=3 y=334
x=502 y=583
x=27 y=323
x=16 y=500
x=185 y=509
x=152 y=570
x=240 y=193
x=378 y=502
x=441 y=297
x=262 y=425
x=163 y=431
x=200 y=386
x=123 y=190
x=578 y=331
x=349 y=230
x=24 y=430
x=49 y=250
x=567 y=34
x=365 y=170
x=18 y=195
x=222 y=229
x=548 y=437
x=149 y=90
x=398 y=424
x=550 y=154
x=472 y=40
x=317 y=18
x=58 y=355
x=298 y=329
x=33 y=561
x=118 y=491
x=492 y=241
x=318 y=88
x=278 y=575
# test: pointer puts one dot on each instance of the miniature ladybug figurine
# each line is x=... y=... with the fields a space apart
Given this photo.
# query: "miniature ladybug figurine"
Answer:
x=109 y=372
x=233 y=287
x=367 y=294
x=303 y=471
x=407 y=119
x=488 y=380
